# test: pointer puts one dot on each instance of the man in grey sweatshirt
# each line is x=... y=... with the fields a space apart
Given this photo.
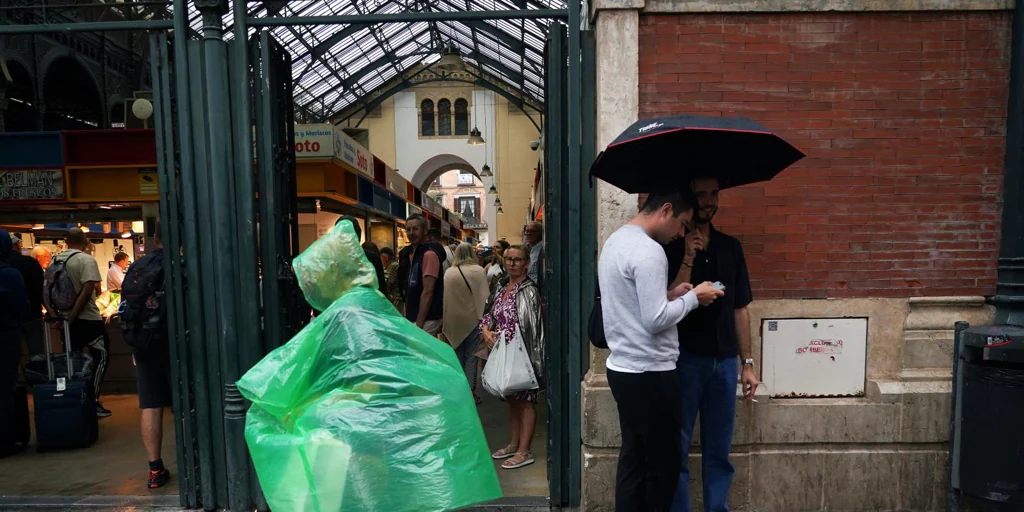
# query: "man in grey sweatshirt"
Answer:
x=640 y=318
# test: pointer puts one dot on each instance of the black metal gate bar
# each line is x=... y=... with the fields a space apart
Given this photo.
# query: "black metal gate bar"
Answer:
x=170 y=233
x=574 y=264
x=553 y=287
x=193 y=295
x=410 y=17
x=209 y=340
x=86 y=26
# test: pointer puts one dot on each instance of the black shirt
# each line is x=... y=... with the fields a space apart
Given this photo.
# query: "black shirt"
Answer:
x=711 y=331
x=32 y=274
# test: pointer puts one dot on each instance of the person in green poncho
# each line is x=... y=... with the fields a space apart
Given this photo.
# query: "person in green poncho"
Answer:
x=362 y=403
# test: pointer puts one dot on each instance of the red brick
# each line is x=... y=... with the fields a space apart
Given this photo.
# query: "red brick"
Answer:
x=903 y=119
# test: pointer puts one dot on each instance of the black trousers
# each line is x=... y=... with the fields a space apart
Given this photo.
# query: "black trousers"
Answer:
x=650 y=416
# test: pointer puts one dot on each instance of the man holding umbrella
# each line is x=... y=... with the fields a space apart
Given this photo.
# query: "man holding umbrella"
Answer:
x=709 y=342
x=704 y=154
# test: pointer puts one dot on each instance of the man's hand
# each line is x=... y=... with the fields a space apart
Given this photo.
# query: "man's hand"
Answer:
x=749 y=381
x=679 y=291
x=694 y=243
x=706 y=293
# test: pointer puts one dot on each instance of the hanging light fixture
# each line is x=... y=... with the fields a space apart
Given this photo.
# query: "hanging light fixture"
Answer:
x=451 y=59
x=497 y=201
x=485 y=172
x=499 y=210
x=475 y=139
x=493 y=191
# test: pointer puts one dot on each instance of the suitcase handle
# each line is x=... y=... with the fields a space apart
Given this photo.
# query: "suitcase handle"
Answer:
x=67 y=345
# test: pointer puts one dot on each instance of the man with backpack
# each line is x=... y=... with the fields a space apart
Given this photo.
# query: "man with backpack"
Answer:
x=71 y=284
x=144 y=323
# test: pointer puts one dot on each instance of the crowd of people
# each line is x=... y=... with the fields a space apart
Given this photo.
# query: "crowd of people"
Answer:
x=472 y=298
x=26 y=290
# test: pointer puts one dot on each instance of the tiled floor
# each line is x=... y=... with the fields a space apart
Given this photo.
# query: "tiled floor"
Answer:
x=115 y=465
x=530 y=480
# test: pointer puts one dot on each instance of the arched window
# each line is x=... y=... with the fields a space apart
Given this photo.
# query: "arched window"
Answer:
x=427 y=118
x=461 y=117
x=444 y=117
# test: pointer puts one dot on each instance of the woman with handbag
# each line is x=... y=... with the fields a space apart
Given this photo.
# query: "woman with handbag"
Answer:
x=465 y=296
x=516 y=308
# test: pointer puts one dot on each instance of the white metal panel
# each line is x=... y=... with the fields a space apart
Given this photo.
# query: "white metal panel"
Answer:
x=814 y=357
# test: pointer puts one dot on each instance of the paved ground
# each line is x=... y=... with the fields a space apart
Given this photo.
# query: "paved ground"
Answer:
x=115 y=465
x=111 y=474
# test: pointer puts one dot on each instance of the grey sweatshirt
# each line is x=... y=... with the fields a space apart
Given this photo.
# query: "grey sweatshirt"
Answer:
x=639 y=320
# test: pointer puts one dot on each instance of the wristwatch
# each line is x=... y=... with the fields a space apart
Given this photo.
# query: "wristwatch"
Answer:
x=749 y=361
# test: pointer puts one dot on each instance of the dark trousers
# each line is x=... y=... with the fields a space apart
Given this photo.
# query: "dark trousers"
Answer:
x=10 y=353
x=650 y=416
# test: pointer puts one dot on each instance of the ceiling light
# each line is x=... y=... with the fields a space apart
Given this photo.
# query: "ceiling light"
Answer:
x=451 y=59
x=493 y=191
x=475 y=139
x=485 y=172
x=499 y=210
x=497 y=201
x=38 y=226
x=126 y=234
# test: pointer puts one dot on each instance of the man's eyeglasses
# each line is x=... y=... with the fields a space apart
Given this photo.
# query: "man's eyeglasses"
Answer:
x=515 y=261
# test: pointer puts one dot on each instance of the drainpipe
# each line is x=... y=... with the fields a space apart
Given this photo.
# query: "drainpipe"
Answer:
x=1009 y=299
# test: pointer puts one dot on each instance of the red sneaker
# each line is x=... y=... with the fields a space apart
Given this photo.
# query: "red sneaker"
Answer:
x=159 y=478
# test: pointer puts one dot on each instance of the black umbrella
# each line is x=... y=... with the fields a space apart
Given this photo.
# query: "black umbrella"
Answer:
x=670 y=151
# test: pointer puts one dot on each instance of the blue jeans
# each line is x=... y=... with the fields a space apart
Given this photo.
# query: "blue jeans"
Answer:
x=709 y=387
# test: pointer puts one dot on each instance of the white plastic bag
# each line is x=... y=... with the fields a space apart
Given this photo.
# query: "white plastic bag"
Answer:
x=508 y=369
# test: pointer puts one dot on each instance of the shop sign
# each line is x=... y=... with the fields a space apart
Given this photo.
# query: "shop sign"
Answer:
x=438 y=210
x=352 y=153
x=427 y=203
x=31 y=184
x=314 y=141
x=396 y=183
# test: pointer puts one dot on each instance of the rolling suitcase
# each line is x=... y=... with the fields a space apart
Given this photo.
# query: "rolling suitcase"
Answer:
x=65 y=408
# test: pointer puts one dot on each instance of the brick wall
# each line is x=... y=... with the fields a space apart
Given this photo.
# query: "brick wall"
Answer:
x=903 y=119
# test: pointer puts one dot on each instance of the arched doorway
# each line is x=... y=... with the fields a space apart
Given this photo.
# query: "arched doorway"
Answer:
x=71 y=97
x=21 y=114
x=455 y=183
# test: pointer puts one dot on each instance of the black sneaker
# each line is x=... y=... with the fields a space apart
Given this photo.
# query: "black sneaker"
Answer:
x=102 y=412
x=158 y=478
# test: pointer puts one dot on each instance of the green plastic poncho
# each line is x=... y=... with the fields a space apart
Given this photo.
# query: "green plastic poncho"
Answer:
x=361 y=410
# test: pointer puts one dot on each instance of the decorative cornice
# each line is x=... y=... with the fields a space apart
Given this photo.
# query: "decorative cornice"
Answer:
x=766 y=6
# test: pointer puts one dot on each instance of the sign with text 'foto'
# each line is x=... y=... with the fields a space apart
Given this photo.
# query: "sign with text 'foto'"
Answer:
x=350 y=152
x=314 y=141
x=31 y=184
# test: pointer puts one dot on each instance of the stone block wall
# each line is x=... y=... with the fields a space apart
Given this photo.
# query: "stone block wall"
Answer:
x=884 y=451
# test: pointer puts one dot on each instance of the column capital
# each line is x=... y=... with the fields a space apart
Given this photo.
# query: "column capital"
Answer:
x=597 y=6
x=220 y=5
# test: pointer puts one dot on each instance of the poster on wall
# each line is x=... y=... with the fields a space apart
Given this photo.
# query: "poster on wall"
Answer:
x=352 y=153
x=314 y=141
x=31 y=184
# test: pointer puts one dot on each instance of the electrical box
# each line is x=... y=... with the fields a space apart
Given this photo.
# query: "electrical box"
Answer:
x=814 y=357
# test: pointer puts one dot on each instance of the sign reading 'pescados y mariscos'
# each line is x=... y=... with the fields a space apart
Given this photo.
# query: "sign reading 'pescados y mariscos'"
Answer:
x=31 y=184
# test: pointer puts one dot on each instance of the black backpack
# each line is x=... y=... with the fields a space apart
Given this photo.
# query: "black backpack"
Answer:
x=142 y=309
x=595 y=325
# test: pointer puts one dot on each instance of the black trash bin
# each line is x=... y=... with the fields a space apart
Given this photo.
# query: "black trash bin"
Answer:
x=990 y=430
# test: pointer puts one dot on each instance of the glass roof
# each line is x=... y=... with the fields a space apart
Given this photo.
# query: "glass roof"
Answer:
x=335 y=66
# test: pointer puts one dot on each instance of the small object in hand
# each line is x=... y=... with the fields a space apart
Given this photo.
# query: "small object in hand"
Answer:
x=718 y=285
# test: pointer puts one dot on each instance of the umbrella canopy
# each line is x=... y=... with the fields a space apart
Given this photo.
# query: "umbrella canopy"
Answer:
x=670 y=151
